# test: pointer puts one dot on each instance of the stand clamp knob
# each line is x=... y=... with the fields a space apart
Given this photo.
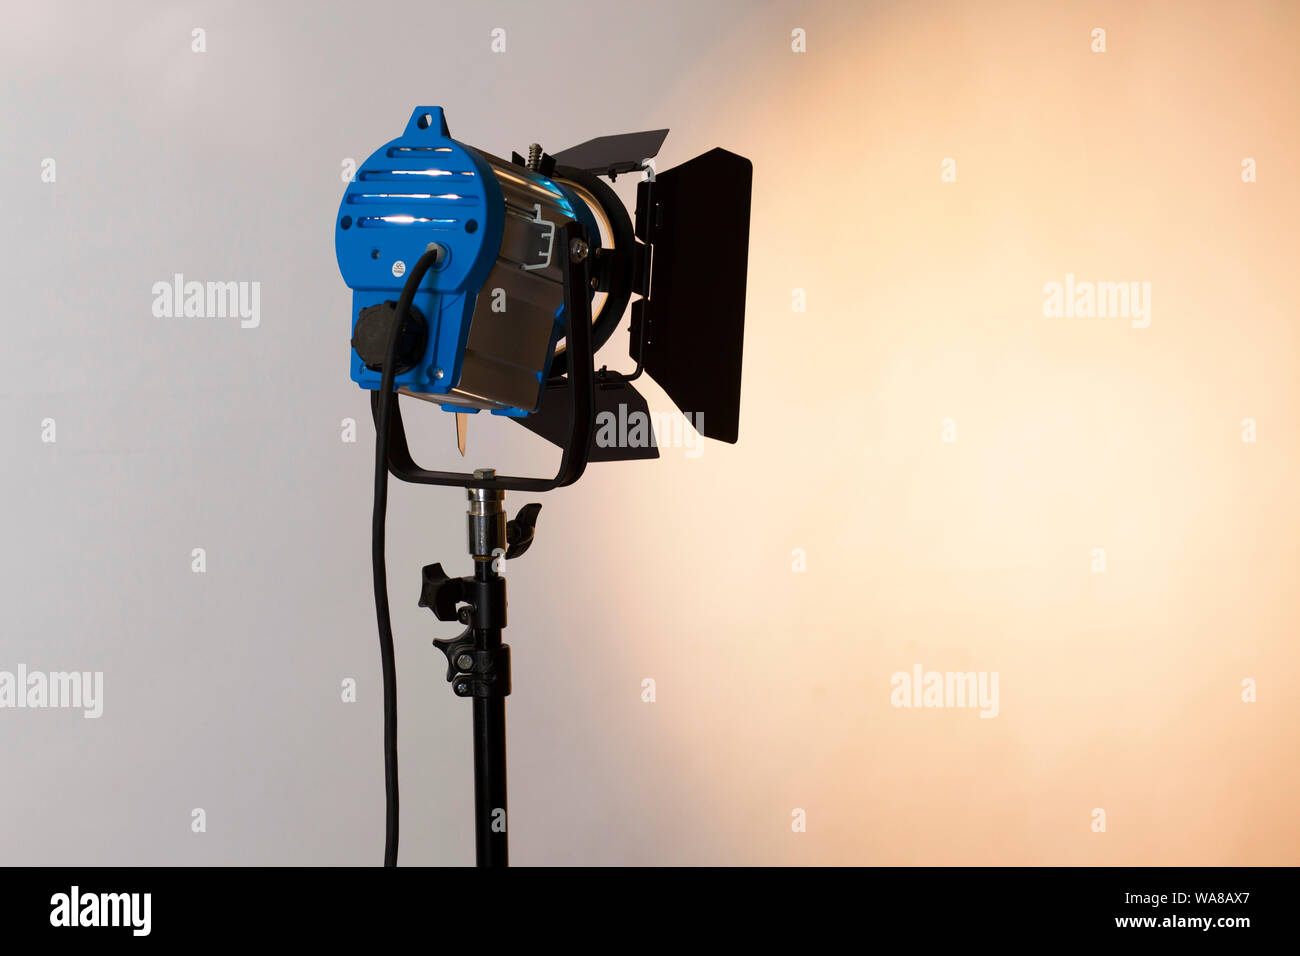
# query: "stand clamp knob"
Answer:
x=440 y=593
x=475 y=672
x=520 y=530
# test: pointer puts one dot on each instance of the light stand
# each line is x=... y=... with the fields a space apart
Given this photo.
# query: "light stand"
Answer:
x=478 y=664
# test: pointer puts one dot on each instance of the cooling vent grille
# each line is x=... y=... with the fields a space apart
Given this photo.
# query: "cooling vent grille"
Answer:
x=419 y=188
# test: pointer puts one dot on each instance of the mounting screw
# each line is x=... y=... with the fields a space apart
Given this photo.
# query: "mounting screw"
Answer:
x=438 y=373
x=484 y=474
x=578 y=250
x=462 y=688
x=534 y=156
x=463 y=615
x=465 y=662
x=595 y=283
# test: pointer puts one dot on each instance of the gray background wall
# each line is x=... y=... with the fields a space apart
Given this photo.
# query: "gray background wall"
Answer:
x=222 y=689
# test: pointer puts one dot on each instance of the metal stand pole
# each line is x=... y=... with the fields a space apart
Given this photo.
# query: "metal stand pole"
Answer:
x=487 y=545
x=491 y=842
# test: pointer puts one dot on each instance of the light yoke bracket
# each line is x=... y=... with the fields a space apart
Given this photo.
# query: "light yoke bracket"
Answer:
x=572 y=248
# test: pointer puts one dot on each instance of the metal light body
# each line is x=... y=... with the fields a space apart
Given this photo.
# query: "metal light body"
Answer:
x=488 y=318
x=493 y=303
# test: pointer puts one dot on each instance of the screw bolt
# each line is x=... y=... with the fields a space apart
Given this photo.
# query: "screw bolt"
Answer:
x=578 y=250
x=465 y=662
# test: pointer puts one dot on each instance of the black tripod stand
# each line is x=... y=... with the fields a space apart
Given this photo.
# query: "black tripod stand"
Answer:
x=478 y=664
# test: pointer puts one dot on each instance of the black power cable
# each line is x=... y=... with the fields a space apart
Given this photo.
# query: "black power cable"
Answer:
x=386 y=655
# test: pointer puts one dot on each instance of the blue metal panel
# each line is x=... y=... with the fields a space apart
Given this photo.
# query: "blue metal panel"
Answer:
x=422 y=187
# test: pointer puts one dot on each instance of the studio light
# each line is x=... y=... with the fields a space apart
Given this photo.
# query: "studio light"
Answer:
x=487 y=285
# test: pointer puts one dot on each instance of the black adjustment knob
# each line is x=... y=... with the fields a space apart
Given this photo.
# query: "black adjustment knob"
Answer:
x=460 y=654
x=375 y=326
x=440 y=593
x=520 y=529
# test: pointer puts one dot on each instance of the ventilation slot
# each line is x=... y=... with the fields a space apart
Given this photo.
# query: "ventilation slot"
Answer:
x=408 y=150
x=397 y=220
x=413 y=175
